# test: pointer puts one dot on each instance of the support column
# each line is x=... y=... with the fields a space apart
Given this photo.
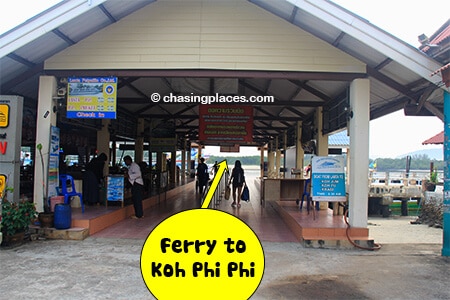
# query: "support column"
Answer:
x=183 y=160
x=139 y=143
x=261 y=164
x=284 y=151
x=44 y=120
x=359 y=151
x=300 y=153
x=173 y=166
x=446 y=204
x=277 y=158
x=321 y=143
x=199 y=152
x=270 y=160
x=189 y=154
x=322 y=140
x=103 y=138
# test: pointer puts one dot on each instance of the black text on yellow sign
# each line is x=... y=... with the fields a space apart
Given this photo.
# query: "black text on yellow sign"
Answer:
x=4 y=115
x=202 y=254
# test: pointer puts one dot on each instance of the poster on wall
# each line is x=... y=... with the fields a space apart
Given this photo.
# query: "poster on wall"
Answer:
x=91 y=97
x=226 y=124
x=328 y=178
x=53 y=164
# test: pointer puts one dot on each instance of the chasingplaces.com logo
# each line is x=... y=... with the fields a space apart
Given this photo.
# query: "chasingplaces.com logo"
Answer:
x=209 y=99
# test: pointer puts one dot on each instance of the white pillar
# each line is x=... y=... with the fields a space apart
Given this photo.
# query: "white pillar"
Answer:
x=44 y=120
x=359 y=151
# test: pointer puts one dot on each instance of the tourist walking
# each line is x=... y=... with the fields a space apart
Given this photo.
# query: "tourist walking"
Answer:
x=237 y=178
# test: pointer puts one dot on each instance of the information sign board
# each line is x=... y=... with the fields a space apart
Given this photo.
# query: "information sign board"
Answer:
x=92 y=97
x=328 y=178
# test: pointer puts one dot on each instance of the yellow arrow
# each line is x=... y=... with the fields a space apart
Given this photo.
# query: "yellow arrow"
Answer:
x=212 y=189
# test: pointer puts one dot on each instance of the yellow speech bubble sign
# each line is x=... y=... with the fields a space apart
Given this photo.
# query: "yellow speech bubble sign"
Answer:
x=202 y=254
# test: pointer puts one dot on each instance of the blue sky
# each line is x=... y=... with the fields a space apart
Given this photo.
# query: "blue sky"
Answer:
x=391 y=135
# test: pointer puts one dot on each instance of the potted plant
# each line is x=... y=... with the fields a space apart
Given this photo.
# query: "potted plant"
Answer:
x=431 y=184
x=16 y=218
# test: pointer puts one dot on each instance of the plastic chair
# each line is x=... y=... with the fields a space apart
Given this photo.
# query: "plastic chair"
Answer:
x=307 y=194
x=68 y=190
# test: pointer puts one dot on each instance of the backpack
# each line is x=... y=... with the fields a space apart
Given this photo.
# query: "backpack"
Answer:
x=239 y=176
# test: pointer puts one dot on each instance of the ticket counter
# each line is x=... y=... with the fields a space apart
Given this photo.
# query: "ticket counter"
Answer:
x=282 y=189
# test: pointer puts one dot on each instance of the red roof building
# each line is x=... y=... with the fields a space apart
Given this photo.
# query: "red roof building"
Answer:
x=437 y=139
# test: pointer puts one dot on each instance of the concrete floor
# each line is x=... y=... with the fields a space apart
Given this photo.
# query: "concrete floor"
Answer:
x=407 y=267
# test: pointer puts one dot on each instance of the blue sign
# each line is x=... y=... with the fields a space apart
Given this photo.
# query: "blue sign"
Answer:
x=92 y=97
x=328 y=178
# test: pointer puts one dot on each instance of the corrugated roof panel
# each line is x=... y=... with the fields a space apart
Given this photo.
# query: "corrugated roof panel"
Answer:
x=399 y=73
x=316 y=27
x=280 y=8
x=119 y=9
x=86 y=24
x=340 y=139
x=361 y=51
x=9 y=69
x=281 y=89
x=39 y=49
x=306 y=96
x=330 y=88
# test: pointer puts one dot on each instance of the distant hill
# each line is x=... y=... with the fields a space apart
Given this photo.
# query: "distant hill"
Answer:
x=436 y=153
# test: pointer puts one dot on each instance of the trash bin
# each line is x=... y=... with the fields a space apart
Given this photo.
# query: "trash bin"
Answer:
x=63 y=216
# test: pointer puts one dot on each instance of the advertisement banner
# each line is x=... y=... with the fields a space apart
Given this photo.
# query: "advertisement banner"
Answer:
x=53 y=164
x=328 y=178
x=92 y=97
x=226 y=124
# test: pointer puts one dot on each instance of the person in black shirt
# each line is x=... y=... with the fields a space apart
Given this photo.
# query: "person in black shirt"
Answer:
x=238 y=179
x=202 y=175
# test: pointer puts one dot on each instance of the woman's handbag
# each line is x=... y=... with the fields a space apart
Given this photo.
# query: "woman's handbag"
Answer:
x=227 y=192
x=245 y=196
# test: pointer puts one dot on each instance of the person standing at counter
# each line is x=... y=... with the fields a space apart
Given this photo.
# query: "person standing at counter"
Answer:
x=93 y=179
x=134 y=176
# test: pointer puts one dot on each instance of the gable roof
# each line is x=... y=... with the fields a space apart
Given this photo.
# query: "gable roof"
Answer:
x=399 y=73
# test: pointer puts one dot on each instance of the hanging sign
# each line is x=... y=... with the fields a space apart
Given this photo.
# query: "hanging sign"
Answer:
x=226 y=124
x=328 y=178
x=92 y=97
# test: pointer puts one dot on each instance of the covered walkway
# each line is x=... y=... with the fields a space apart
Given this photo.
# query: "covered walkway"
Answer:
x=276 y=221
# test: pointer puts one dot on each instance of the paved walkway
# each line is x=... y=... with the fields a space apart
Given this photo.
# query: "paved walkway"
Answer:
x=108 y=268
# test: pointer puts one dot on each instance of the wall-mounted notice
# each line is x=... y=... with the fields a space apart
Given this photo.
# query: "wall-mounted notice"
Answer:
x=226 y=124
x=92 y=97
x=328 y=178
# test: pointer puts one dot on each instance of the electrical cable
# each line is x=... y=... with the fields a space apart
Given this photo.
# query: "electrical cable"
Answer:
x=347 y=232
